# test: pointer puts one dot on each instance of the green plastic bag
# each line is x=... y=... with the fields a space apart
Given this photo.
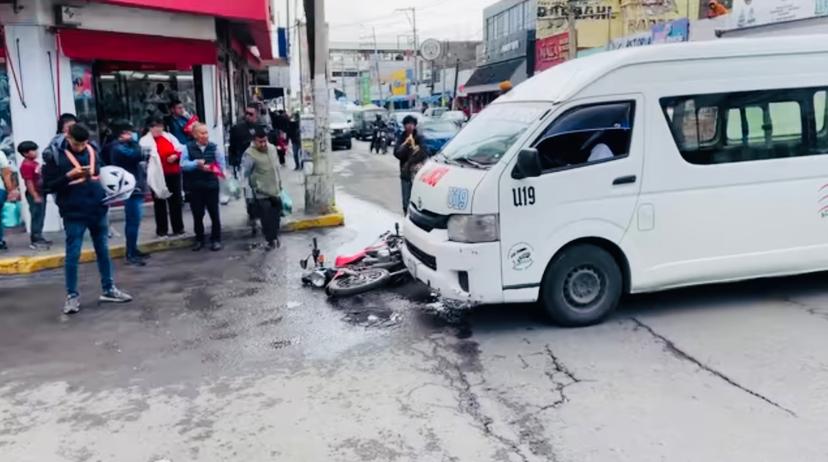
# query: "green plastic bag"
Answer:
x=11 y=215
x=287 y=203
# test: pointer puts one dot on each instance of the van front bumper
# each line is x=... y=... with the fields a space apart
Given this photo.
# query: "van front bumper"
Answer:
x=458 y=271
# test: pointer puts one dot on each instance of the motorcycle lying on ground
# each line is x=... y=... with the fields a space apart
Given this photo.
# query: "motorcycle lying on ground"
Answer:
x=368 y=269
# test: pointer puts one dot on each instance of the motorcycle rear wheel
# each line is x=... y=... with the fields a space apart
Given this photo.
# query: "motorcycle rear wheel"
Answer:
x=363 y=281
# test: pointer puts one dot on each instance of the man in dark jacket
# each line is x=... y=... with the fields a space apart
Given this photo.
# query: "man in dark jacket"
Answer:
x=411 y=151
x=178 y=122
x=127 y=154
x=241 y=135
x=202 y=161
x=72 y=175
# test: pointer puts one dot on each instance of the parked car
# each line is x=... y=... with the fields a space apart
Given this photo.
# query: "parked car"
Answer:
x=397 y=118
x=435 y=112
x=437 y=133
x=363 y=127
x=340 y=133
x=458 y=117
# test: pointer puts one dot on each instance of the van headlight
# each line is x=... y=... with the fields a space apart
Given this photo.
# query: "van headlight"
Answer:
x=473 y=228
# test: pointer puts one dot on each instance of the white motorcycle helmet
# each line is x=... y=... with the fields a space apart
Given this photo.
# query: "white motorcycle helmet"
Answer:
x=117 y=182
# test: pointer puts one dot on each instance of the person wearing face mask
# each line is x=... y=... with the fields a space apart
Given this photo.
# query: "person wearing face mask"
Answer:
x=72 y=174
x=260 y=166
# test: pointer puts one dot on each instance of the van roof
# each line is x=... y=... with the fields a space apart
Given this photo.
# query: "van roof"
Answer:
x=563 y=80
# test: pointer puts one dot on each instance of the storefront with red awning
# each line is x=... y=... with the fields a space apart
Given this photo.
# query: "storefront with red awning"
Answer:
x=107 y=60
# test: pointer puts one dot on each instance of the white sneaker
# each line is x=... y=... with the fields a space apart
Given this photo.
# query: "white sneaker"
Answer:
x=72 y=304
x=114 y=295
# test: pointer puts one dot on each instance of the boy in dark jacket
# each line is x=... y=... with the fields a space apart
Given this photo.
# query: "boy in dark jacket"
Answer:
x=71 y=174
x=127 y=154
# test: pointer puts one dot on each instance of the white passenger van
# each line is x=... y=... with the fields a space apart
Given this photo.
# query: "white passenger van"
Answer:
x=632 y=171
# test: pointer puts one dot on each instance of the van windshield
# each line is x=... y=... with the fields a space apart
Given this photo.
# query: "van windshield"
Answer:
x=491 y=133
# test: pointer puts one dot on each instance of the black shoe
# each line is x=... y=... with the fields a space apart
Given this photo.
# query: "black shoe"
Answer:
x=142 y=255
x=270 y=246
x=40 y=240
x=135 y=261
x=3 y=245
x=215 y=246
x=198 y=246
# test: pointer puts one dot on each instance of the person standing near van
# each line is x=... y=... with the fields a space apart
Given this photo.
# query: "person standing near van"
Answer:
x=72 y=174
x=260 y=166
x=409 y=144
x=203 y=161
x=30 y=172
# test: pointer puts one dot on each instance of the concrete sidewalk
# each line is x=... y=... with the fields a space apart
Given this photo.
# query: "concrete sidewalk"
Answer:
x=20 y=259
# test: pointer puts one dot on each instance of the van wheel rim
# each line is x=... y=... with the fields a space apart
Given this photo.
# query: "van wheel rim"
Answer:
x=583 y=286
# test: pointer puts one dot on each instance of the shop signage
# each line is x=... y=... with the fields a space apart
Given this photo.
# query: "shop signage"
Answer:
x=551 y=51
x=505 y=48
x=636 y=40
x=673 y=31
x=750 y=13
x=399 y=82
x=552 y=15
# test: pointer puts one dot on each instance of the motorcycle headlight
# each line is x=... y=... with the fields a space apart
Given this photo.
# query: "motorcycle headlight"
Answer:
x=318 y=279
x=473 y=228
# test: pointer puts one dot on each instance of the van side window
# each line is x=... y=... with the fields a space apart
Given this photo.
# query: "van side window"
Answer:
x=748 y=126
x=586 y=135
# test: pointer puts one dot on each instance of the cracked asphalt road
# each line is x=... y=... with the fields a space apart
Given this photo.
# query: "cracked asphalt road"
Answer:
x=224 y=357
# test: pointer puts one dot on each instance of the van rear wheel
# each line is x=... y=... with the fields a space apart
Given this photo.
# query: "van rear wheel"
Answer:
x=582 y=286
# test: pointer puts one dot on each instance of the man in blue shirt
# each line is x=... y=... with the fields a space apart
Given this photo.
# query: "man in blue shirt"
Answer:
x=202 y=163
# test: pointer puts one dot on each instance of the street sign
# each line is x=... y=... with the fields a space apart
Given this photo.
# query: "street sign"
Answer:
x=431 y=49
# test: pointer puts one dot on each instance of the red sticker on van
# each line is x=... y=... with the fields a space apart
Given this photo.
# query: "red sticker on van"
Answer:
x=432 y=176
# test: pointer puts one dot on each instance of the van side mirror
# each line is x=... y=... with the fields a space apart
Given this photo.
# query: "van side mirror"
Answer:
x=528 y=164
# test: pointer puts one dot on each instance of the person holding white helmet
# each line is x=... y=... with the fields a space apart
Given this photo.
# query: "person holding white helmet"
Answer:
x=127 y=154
x=72 y=173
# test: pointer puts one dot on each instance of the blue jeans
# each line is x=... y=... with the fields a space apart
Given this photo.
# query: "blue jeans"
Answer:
x=297 y=154
x=133 y=209
x=99 y=230
x=3 y=195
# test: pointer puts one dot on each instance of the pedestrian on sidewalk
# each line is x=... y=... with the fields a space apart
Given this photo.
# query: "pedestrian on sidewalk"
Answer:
x=8 y=191
x=260 y=166
x=127 y=154
x=241 y=135
x=167 y=199
x=64 y=124
x=179 y=123
x=409 y=147
x=72 y=174
x=203 y=162
x=30 y=171
x=295 y=135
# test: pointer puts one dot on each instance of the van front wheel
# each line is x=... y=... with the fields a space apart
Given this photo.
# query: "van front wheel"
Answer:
x=582 y=286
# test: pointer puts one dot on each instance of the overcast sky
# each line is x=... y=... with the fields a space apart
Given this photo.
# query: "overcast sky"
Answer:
x=352 y=20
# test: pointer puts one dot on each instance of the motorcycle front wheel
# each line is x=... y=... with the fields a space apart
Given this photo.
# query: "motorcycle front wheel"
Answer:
x=359 y=282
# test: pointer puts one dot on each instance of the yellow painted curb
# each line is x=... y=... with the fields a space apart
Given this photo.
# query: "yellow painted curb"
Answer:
x=324 y=221
x=33 y=264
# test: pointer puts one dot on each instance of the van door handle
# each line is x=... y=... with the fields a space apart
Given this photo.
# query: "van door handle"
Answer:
x=629 y=179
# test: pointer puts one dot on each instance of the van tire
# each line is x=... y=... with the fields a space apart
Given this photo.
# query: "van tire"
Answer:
x=582 y=286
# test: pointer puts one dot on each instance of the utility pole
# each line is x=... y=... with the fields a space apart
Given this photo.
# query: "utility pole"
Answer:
x=376 y=65
x=456 y=83
x=573 y=31
x=319 y=188
x=413 y=21
x=299 y=31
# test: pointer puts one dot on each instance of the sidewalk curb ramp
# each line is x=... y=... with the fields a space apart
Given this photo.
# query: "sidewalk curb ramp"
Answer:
x=32 y=264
